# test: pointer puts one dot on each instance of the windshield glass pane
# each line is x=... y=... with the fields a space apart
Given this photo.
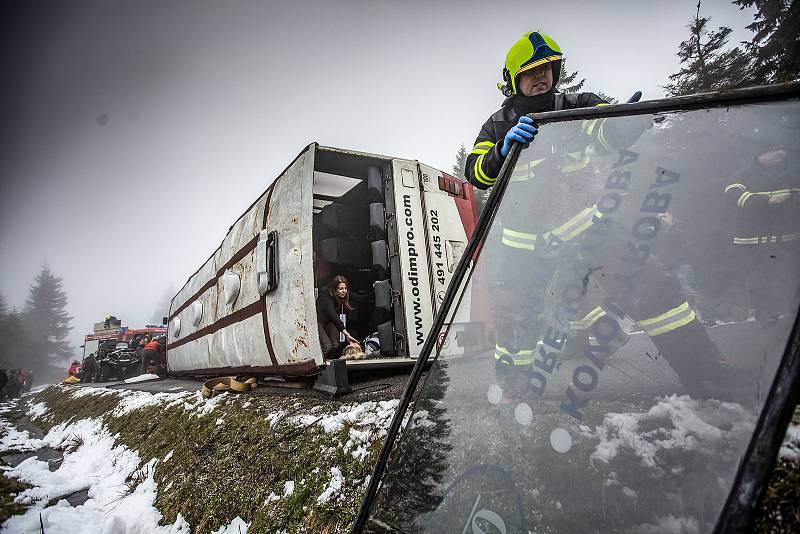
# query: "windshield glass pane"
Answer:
x=641 y=283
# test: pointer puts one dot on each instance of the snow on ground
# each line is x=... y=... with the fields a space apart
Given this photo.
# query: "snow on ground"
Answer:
x=6 y=407
x=141 y=378
x=367 y=420
x=333 y=487
x=121 y=494
x=237 y=526
x=674 y=423
x=94 y=463
x=36 y=409
x=791 y=444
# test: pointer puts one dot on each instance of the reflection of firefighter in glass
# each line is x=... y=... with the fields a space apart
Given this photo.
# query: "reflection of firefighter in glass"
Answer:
x=538 y=232
x=763 y=204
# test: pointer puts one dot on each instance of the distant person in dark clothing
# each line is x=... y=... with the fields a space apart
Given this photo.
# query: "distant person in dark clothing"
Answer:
x=3 y=382
x=88 y=368
x=12 y=387
x=333 y=308
x=21 y=381
x=28 y=380
x=140 y=348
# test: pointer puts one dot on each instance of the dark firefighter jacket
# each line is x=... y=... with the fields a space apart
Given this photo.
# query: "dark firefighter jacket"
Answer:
x=754 y=221
x=556 y=187
x=484 y=161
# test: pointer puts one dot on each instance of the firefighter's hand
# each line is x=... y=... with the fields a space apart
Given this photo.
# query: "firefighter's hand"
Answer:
x=523 y=132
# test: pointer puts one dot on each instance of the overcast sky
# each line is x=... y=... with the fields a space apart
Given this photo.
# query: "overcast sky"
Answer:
x=135 y=133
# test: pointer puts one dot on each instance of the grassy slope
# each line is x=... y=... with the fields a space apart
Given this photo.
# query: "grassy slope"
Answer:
x=230 y=461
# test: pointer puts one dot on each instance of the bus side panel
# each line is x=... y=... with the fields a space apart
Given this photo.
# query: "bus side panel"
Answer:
x=414 y=265
x=220 y=347
x=234 y=345
x=450 y=221
x=290 y=310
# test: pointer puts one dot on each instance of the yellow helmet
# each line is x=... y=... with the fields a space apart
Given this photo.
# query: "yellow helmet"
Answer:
x=532 y=50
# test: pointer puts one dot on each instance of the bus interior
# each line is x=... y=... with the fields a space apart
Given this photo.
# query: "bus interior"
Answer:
x=353 y=236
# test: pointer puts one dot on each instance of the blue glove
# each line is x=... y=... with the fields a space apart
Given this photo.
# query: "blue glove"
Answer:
x=524 y=132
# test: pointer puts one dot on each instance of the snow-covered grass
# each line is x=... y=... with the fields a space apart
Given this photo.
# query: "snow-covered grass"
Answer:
x=177 y=462
x=97 y=466
x=673 y=423
x=790 y=450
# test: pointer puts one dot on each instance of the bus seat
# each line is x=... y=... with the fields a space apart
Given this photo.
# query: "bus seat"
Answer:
x=383 y=295
x=377 y=220
x=386 y=338
x=380 y=258
x=344 y=219
x=375 y=184
x=346 y=251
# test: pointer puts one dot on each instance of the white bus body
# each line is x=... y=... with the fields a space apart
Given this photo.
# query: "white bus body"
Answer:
x=251 y=306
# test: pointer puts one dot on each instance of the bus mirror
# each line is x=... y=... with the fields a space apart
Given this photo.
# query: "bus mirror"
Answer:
x=164 y=320
x=267 y=262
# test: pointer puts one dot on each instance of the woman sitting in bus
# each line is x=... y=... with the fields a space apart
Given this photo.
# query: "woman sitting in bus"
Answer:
x=333 y=308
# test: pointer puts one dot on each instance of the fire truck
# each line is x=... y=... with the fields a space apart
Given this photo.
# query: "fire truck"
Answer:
x=107 y=353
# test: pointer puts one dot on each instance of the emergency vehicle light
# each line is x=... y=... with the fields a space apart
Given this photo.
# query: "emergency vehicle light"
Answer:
x=451 y=185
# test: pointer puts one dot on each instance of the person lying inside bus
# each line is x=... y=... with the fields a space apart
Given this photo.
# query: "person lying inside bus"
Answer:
x=334 y=307
x=353 y=352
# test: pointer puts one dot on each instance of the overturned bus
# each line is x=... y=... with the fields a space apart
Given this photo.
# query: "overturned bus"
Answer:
x=393 y=224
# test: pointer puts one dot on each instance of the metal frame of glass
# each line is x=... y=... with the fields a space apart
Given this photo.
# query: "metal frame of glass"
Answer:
x=755 y=468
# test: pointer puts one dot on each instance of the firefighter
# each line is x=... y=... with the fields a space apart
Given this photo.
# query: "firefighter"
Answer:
x=88 y=368
x=534 y=246
x=151 y=353
x=763 y=204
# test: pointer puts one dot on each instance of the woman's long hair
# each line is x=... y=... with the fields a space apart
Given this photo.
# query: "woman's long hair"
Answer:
x=339 y=279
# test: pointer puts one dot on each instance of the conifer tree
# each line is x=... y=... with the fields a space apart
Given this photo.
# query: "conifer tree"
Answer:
x=774 y=48
x=461 y=161
x=707 y=65
x=566 y=82
x=14 y=342
x=47 y=320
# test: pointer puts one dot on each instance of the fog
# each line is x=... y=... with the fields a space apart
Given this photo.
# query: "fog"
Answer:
x=135 y=133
